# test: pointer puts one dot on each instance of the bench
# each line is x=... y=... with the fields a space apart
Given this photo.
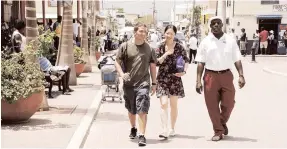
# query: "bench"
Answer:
x=51 y=79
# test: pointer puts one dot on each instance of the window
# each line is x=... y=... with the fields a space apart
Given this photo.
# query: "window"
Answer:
x=269 y=2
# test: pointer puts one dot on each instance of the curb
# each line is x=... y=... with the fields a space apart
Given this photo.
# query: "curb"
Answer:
x=81 y=133
x=274 y=72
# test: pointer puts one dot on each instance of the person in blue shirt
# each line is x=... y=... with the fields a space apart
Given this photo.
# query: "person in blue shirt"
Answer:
x=46 y=66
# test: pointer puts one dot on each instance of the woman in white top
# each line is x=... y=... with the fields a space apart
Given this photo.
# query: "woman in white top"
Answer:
x=20 y=30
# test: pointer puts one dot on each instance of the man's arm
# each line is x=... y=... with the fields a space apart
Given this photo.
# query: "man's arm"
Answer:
x=153 y=72
x=239 y=68
x=236 y=56
x=200 y=68
x=119 y=61
x=153 y=62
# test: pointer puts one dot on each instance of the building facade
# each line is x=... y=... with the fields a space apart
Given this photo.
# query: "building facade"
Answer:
x=250 y=15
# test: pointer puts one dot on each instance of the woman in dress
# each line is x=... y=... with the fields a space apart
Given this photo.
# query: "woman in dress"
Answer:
x=169 y=78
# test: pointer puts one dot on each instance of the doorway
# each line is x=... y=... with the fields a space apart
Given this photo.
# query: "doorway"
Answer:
x=270 y=24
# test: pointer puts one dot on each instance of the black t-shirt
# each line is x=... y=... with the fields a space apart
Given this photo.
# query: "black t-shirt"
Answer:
x=243 y=37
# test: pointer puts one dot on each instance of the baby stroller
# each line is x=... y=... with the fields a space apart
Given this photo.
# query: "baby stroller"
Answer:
x=110 y=79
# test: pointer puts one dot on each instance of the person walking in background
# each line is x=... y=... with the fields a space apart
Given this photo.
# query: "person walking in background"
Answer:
x=255 y=44
x=243 y=42
x=154 y=40
x=134 y=61
x=172 y=62
x=216 y=54
x=109 y=40
x=18 y=38
x=49 y=25
x=57 y=29
x=263 y=40
x=76 y=26
x=233 y=35
x=193 y=43
x=272 y=48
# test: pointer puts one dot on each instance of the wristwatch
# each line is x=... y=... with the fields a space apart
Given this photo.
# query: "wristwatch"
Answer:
x=153 y=84
x=184 y=72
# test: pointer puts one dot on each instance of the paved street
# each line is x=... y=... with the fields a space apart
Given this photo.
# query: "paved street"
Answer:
x=258 y=120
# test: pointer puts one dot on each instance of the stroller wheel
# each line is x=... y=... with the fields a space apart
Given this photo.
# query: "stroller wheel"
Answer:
x=113 y=99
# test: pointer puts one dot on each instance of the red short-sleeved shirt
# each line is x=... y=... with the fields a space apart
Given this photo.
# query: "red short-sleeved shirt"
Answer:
x=263 y=36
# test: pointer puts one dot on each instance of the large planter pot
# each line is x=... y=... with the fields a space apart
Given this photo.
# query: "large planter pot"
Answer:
x=98 y=55
x=22 y=109
x=79 y=69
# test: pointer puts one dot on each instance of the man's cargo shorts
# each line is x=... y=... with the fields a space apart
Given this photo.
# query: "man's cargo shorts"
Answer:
x=137 y=99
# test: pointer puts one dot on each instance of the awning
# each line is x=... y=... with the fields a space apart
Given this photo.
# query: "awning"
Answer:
x=269 y=16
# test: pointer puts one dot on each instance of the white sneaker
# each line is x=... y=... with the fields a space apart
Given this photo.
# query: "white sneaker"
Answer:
x=172 y=133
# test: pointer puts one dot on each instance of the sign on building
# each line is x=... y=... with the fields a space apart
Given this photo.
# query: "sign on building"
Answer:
x=280 y=8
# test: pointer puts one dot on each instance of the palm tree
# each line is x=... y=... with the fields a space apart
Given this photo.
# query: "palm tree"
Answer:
x=84 y=43
x=32 y=34
x=65 y=53
x=93 y=34
x=31 y=23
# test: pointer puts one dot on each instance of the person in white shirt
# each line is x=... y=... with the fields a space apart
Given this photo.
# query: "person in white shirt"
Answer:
x=18 y=37
x=76 y=28
x=255 y=44
x=193 y=43
x=217 y=53
x=233 y=35
x=154 y=39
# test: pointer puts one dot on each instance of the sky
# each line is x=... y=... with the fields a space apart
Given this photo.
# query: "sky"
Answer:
x=143 y=7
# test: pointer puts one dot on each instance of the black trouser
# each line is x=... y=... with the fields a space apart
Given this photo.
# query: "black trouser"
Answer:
x=192 y=52
x=56 y=42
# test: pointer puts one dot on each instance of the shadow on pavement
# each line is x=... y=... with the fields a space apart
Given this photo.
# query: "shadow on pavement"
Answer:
x=109 y=116
x=153 y=141
x=238 y=139
x=33 y=125
x=187 y=137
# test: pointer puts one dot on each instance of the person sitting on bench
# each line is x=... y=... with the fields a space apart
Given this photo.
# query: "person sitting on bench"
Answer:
x=46 y=66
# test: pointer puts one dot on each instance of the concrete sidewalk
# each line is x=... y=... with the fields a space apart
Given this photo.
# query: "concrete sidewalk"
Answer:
x=55 y=128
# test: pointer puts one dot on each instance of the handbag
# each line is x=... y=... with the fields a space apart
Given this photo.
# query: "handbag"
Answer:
x=180 y=64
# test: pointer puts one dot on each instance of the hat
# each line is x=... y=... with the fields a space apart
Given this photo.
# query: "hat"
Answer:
x=272 y=32
x=216 y=17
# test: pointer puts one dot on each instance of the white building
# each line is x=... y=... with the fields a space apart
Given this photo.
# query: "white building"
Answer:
x=254 y=14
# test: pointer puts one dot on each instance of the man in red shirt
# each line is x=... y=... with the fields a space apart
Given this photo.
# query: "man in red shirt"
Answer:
x=263 y=40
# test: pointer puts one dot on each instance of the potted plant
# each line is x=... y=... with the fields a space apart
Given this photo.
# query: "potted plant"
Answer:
x=22 y=89
x=97 y=47
x=79 y=62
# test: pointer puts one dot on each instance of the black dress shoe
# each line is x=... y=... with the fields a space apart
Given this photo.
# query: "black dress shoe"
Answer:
x=225 y=129
x=216 y=138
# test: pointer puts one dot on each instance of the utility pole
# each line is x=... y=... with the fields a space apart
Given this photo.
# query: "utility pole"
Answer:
x=153 y=14
x=193 y=14
x=174 y=12
x=222 y=12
